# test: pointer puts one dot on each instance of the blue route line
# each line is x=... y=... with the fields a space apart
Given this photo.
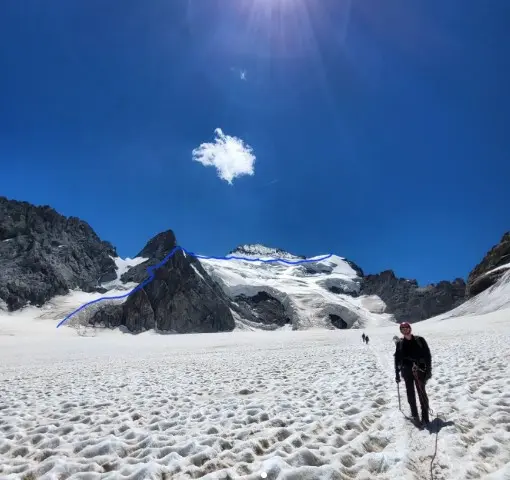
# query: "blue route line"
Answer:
x=150 y=271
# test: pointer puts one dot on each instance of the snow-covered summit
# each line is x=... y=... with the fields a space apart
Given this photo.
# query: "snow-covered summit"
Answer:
x=323 y=291
x=261 y=251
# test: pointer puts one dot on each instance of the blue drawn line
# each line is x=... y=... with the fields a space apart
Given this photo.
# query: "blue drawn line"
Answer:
x=150 y=271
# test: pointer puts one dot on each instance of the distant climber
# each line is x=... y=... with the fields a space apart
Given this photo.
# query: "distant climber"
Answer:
x=363 y=337
x=414 y=361
x=366 y=339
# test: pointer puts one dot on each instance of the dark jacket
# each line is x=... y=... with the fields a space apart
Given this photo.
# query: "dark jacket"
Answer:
x=412 y=351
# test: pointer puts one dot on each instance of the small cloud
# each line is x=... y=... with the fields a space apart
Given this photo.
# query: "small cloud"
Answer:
x=230 y=155
x=242 y=74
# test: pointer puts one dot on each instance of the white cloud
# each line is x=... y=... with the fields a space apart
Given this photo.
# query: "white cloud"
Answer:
x=230 y=155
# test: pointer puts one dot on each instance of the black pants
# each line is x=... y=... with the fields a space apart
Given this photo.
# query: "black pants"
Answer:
x=419 y=382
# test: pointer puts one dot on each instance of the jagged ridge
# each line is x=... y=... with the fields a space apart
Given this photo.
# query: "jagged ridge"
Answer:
x=409 y=302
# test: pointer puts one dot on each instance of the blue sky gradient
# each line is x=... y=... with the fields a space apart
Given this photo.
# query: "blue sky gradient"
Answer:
x=379 y=128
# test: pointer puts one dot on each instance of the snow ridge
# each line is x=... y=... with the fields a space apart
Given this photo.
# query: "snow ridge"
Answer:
x=261 y=251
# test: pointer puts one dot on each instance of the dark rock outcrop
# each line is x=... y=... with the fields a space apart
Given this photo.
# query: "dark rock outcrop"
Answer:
x=337 y=321
x=342 y=290
x=411 y=303
x=263 y=308
x=482 y=277
x=182 y=298
x=43 y=254
x=155 y=251
x=159 y=246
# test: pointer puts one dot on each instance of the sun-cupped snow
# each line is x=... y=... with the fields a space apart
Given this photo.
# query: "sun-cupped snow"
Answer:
x=246 y=406
x=310 y=292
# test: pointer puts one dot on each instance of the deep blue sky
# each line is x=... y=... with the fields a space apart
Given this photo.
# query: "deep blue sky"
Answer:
x=380 y=128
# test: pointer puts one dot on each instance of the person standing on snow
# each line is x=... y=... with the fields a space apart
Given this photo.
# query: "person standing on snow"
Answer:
x=363 y=337
x=414 y=361
x=366 y=339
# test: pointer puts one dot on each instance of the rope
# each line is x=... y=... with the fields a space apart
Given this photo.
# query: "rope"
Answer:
x=425 y=397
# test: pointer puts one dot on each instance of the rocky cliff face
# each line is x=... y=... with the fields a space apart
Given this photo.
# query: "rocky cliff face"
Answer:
x=43 y=254
x=411 y=303
x=181 y=298
x=489 y=270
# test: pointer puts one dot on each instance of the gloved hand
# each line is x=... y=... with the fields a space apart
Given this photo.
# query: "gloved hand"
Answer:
x=397 y=378
x=428 y=374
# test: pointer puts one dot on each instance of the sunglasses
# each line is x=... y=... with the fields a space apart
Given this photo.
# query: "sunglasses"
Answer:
x=403 y=329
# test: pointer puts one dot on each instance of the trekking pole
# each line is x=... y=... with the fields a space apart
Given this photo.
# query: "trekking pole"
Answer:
x=398 y=392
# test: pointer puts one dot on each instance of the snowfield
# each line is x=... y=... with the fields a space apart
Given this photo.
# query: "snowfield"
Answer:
x=290 y=405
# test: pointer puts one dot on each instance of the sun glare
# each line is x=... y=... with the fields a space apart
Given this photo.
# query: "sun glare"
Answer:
x=281 y=27
x=275 y=3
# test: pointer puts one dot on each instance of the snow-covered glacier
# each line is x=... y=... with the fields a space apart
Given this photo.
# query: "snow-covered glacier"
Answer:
x=317 y=292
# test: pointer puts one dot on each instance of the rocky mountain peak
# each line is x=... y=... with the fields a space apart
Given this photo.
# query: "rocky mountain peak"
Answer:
x=181 y=297
x=155 y=250
x=159 y=246
x=491 y=268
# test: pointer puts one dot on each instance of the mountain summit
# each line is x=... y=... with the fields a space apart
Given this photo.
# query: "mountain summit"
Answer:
x=261 y=251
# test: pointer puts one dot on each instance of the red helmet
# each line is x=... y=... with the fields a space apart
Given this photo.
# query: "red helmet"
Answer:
x=405 y=325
